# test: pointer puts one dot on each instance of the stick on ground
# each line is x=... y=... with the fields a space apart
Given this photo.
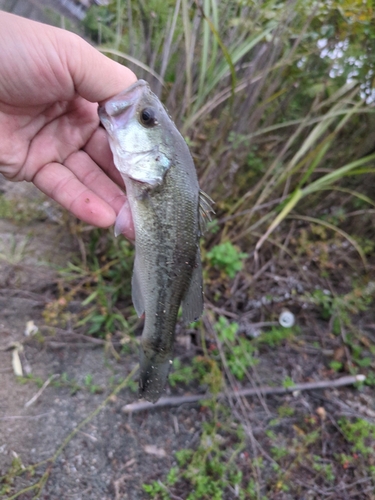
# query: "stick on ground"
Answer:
x=179 y=400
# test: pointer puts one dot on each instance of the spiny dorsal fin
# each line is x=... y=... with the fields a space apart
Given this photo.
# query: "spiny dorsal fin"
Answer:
x=205 y=210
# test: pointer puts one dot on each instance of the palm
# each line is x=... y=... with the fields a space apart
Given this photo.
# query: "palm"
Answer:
x=44 y=134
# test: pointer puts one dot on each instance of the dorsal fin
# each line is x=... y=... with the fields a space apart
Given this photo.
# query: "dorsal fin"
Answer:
x=205 y=210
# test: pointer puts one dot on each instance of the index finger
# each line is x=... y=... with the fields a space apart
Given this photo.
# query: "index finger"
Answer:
x=97 y=147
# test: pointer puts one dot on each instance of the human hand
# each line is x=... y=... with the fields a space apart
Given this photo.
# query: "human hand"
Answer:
x=50 y=83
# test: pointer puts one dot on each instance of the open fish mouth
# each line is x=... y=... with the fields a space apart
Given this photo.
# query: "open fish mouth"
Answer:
x=118 y=111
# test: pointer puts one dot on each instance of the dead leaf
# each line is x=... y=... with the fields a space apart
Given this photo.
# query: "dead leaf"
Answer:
x=151 y=449
x=321 y=412
x=339 y=354
x=16 y=362
x=31 y=328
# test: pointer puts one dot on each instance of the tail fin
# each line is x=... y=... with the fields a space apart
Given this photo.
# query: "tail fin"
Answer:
x=153 y=377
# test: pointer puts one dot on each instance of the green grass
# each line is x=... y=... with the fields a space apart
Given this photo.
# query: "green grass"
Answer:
x=21 y=211
x=101 y=283
x=227 y=258
x=214 y=470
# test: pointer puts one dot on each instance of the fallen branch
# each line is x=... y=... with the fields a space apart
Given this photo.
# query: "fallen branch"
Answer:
x=307 y=386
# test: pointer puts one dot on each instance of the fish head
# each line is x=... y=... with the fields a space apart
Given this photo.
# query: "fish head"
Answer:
x=141 y=134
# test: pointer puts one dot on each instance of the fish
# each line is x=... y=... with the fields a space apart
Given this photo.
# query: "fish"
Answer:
x=170 y=213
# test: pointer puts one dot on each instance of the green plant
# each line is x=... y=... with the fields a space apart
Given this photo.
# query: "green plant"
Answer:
x=360 y=433
x=275 y=336
x=335 y=365
x=285 y=411
x=278 y=452
x=64 y=380
x=227 y=258
x=93 y=388
x=19 y=210
x=101 y=283
x=239 y=351
x=288 y=382
x=209 y=470
x=156 y=490
x=325 y=469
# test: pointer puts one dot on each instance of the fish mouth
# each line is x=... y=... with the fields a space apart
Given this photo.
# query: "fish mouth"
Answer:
x=122 y=102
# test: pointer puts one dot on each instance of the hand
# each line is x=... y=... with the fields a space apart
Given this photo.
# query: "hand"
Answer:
x=50 y=83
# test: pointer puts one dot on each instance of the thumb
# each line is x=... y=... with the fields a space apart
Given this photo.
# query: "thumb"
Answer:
x=95 y=76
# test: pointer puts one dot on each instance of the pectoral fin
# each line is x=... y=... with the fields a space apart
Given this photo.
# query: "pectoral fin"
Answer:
x=192 y=303
x=123 y=219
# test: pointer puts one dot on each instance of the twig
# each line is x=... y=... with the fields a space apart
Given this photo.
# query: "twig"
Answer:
x=27 y=417
x=73 y=335
x=39 y=393
x=220 y=310
x=179 y=400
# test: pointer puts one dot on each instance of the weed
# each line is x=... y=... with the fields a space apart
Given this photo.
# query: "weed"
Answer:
x=20 y=211
x=227 y=331
x=91 y=387
x=361 y=434
x=336 y=365
x=325 y=469
x=288 y=382
x=6 y=482
x=65 y=381
x=324 y=300
x=239 y=351
x=14 y=250
x=101 y=285
x=184 y=374
x=275 y=336
x=227 y=258
x=279 y=452
x=156 y=490
x=343 y=306
x=285 y=411
x=210 y=470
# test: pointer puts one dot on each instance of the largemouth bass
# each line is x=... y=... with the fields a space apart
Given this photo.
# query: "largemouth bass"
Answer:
x=169 y=213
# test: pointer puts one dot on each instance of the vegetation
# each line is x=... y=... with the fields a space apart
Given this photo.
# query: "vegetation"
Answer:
x=275 y=99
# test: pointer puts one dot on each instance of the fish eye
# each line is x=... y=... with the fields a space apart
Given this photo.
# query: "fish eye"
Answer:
x=147 y=117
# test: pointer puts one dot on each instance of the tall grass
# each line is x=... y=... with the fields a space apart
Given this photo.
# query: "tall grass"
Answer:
x=247 y=86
